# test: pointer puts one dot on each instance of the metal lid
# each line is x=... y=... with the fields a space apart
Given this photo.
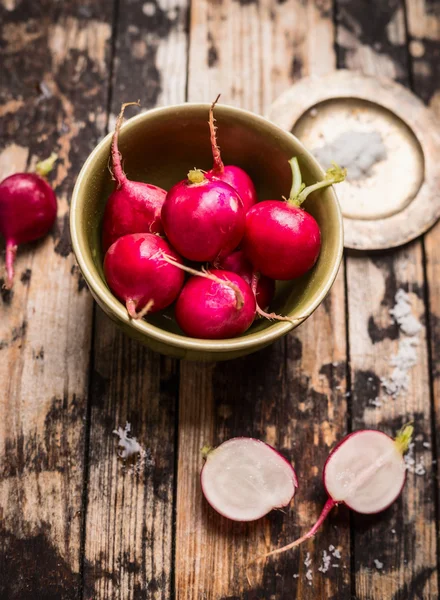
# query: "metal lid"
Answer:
x=388 y=140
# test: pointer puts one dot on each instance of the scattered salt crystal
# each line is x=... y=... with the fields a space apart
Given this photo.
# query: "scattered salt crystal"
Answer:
x=348 y=394
x=128 y=445
x=309 y=576
x=337 y=553
x=295 y=575
x=406 y=356
x=376 y=402
x=378 y=564
x=326 y=559
x=129 y=448
x=308 y=560
x=331 y=548
x=401 y=312
x=426 y=445
x=410 y=462
x=420 y=467
x=335 y=565
x=393 y=531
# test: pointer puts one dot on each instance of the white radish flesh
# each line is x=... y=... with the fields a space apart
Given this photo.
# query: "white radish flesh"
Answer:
x=244 y=479
x=366 y=472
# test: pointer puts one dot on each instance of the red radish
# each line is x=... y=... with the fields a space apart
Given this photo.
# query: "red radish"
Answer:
x=244 y=479
x=236 y=177
x=365 y=471
x=137 y=274
x=28 y=208
x=216 y=307
x=281 y=239
x=133 y=206
x=238 y=263
x=203 y=219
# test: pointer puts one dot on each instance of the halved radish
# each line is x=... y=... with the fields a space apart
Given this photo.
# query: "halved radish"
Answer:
x=365 y=471
x=243 y=479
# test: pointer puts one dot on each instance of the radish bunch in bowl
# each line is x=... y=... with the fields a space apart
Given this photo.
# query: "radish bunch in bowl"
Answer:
x=153 y=238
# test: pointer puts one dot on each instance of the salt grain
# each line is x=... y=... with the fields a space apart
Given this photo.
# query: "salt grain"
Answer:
x=129 y=446
x=378 y=564
x=401 y=312
x=337 y=553
x=326 y=559
x=129 y=449
x=406 y=356
x=308 y=560
x=309 y=576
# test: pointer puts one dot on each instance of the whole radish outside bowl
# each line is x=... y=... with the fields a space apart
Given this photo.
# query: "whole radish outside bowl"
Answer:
x=160 y=147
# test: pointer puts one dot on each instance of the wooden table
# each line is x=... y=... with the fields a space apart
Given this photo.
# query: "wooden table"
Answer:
x=74 y=523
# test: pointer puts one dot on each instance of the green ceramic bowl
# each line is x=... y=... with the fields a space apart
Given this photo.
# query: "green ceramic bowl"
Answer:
x=160 y=146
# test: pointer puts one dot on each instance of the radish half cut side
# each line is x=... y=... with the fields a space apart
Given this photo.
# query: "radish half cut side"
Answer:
x=244 y=479
x=366 y=472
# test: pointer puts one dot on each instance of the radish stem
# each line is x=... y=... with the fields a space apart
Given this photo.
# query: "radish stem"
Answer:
x=131 y=309
x=239 y=300
x=44 y=167
x=334 y=174
x=218 y=167
x=11 y=252
x=325 y=511
x=118 y=171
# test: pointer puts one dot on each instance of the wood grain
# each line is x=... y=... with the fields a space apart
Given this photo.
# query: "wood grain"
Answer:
x=250 y=52
x=424 y=44
x=52 y=97
x=402 y=539
x=129 y=525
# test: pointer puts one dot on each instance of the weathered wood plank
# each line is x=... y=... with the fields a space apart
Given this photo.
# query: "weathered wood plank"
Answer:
x=129 y=526
x=423 y=19
x=292 y=394
x=401 y=540
x=52 y=96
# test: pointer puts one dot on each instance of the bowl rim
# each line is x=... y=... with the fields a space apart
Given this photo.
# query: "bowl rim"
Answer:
x=103 y=294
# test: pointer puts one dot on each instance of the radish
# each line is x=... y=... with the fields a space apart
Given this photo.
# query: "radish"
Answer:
x=28 y=208
x=238 y=263
x=244 y=479
x=215 y=306
x=203 y=219
x=236 y=177
x=133 y=206
x=137 y=274
x=365 y=471
x=281 y=239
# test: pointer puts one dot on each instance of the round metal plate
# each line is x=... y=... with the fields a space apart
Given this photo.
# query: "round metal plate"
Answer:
x=388 y=140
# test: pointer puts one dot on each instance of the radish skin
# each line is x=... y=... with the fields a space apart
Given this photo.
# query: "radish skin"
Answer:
x=28 y=209
x=138 y=275
x=281 y=239
x=133 y=206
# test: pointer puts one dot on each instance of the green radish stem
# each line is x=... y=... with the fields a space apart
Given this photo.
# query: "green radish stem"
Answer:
x=196 y=176
x=239 y=300
x=44 y=167
x=299 y=191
